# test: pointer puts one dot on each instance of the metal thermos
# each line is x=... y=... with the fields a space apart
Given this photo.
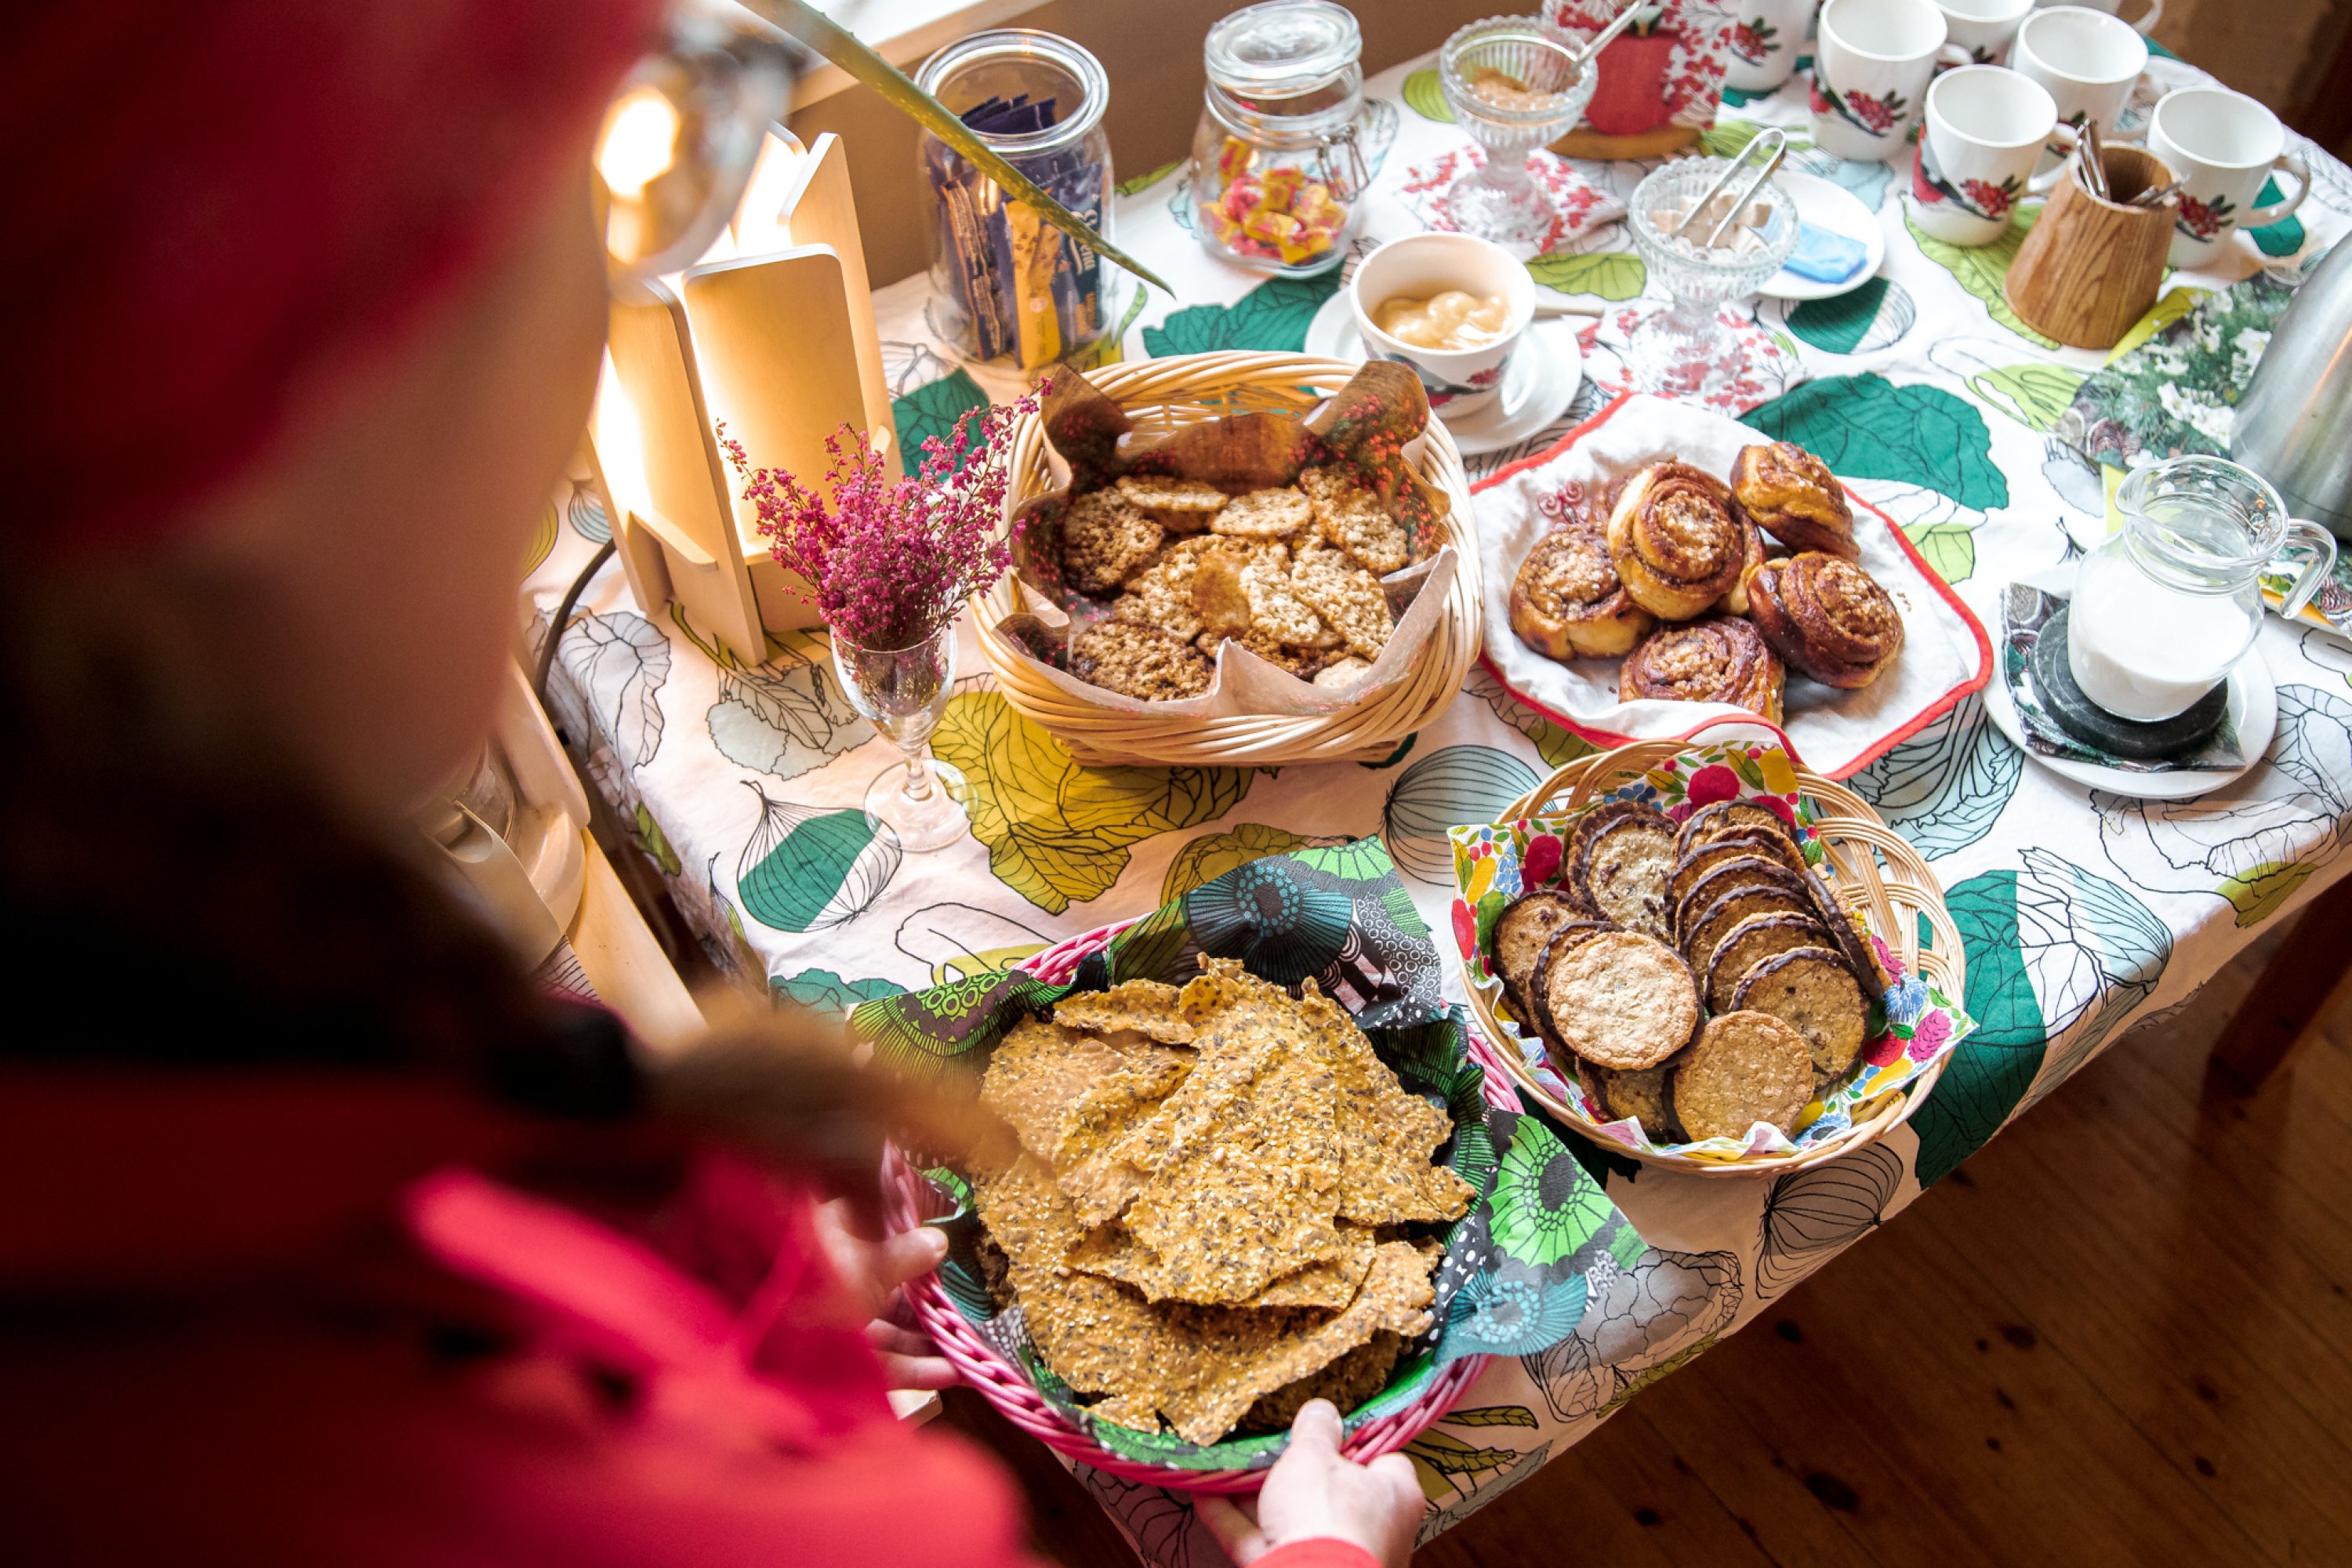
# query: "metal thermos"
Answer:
x=2294 y=426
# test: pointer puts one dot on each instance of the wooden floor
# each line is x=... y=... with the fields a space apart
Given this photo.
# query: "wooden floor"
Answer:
x=2120 y=1334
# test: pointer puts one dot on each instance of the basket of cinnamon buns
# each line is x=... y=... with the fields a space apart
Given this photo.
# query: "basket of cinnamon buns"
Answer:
x=1712 y=591
x=1707 y=958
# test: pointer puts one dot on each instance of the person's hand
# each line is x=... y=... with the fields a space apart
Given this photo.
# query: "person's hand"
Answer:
x=870 y=1273
x=1312 y=1493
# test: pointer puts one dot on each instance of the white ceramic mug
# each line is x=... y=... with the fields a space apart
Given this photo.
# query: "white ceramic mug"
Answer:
x=1983 y=27
x=1458 y=381
x=1871 y=65
x=2222 y=145
x=1765 y=43
x=1986 y=127
x=2086 y=59
x=2144 y=27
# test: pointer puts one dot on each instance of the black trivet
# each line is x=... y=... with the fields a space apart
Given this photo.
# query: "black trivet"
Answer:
x=2157 y=740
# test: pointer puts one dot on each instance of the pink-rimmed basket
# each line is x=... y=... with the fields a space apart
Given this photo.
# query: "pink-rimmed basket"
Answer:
x=909 y=1200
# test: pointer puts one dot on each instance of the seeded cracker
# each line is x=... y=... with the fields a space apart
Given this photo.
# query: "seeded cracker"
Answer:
x=1345 y=595
x=1037 y=1074
x=1263 y=514
x=1112 y=1251
x=1275 y=611
x=1387 y=1137
x=1147 y=1006
x=1027 y=1214
x=1103 y=540
x=1346 y=1383
x=1351 y=518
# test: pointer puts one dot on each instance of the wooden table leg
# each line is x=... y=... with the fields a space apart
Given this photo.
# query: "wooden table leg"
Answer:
x=2292 y=990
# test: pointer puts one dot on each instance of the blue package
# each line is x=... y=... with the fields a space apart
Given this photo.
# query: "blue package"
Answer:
x=1825 y=257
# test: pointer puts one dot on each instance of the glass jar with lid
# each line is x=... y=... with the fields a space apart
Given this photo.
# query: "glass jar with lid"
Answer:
x=1277 y=166
x=1004 y=282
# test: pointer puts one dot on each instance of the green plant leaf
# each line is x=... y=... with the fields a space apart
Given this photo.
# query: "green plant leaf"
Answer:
x=1057 y=833
x=1426 y=97
x=841 y=47
x=1271 y=317
x=1981 y=270
x=1950 y=547
x=2033 y=394
x=2257 y=893
x=932 y=409
x=1212 y=855
x=1610 y=274
x=1866 y=427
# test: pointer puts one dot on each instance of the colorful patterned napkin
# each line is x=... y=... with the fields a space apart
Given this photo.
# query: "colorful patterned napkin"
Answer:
x=1913 y=1027
x=1578 y=205
x=1519 y=1268
x=2024 y=611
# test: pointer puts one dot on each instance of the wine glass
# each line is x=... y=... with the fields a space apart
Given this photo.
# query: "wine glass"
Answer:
x=903 y=691
x=1513 y=84
x=1683 y=348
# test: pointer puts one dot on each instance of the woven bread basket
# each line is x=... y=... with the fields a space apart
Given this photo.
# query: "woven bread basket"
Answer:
x=908 y=1199
x=1875 y=872
x=1161 y=394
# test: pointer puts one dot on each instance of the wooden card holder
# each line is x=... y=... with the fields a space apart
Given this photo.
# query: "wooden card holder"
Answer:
x=771 y=334
x=2090 y=268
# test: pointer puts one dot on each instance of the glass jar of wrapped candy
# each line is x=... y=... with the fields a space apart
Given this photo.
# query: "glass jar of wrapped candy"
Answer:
x=1278 y=167
x=1004 y=282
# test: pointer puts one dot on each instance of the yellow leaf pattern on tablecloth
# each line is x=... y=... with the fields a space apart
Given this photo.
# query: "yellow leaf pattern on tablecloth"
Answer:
x=1057 y=833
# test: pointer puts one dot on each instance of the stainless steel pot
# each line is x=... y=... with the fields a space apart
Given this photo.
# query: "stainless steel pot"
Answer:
x=2294 y=426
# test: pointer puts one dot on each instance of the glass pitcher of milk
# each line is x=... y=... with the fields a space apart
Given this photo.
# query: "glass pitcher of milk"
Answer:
x=2164 y=610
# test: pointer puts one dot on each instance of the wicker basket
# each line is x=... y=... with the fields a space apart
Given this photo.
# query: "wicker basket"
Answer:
x=909 y=1200
x=1161 y=394
x=1889 y=892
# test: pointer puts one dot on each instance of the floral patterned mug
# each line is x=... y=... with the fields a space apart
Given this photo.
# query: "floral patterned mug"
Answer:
x=1986 y=127
x=1765 y=43
x=1871 y=65
x=2222 y=145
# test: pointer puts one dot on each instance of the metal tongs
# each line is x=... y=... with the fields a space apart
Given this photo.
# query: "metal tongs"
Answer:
x=1599 y=40
x=1774 y=142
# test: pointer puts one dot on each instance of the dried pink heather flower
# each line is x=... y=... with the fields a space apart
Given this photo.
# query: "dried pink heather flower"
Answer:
x=890 y=562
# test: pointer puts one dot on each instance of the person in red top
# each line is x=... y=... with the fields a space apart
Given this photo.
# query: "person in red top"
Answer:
x=326 y=1237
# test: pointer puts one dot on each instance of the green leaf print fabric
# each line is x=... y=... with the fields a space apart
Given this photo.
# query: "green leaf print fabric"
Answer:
x=1515 y=1277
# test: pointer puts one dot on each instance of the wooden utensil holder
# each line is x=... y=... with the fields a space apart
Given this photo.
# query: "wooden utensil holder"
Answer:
x=2090 y=267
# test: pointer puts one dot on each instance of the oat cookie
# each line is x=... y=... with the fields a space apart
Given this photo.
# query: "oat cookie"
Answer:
x=1104 y=538
x=1692 y=864
x=1263 y=514
x=1810 y=990
x=1712 y=925
x=1750 y=942
x=1744 y=1068
x=1522 y=932
x=1852 y=938
x=1622 y=999
x=1622 y=871
x=1725 y=819
x=1277 y=614
x=1220 y=598
x=1137 y=661
x=1644 y=1096
x=1596 y=820
x=1178 y=505
x=1159 y=593
x=1350 y=517
x=1740 y=871
x=1306 y=663
x=1346 y=597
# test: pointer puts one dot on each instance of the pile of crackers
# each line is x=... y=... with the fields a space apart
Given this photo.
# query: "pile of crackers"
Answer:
x=1698 y=979
x=1212 y=1217
x=1292 y=573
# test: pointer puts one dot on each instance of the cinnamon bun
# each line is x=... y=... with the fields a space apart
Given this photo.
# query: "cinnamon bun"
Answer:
x=1674 y=539
x=1826 y=616
x=1567 y=600
x=1791 y=495
x=1735 y=603
x=1719 y=659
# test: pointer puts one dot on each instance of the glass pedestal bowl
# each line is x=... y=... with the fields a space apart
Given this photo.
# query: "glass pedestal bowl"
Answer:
x=1685 y=348
x=1513 y=85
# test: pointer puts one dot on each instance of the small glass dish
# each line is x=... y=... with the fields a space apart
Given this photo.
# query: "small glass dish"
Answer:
x=1513 y=85
x=1683 y=348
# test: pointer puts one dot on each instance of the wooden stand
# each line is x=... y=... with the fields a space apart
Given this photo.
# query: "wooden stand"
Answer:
x=2090 y=268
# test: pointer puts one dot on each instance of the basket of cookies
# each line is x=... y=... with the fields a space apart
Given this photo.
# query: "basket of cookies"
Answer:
x=1707 y=958
x=1661 y=567
x=1255 y=1160
x=1240 y=559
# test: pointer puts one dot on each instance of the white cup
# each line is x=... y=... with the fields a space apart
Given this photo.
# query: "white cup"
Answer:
x=1986 y=127
x=2144 y=27
x=1871 y=64
x=1458 y=381
x=1765 y=43
x=2222 y=145
x=1983 y=27
x=2087 y=61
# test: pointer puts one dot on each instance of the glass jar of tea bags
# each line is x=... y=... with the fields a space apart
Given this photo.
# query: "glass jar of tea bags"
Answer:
x=1277 y=164
x=1004 y=282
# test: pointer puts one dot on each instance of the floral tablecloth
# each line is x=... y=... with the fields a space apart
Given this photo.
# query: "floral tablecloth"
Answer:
x=2081 y=911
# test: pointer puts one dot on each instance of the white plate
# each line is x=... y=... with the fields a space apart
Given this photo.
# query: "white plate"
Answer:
x=2253 y=712
x=1536 y=389
x=1826 y=204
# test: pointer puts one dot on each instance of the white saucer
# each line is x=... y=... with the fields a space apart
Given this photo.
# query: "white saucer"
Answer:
x=2254 y=712
x=1828 y=205
x=1536 y=391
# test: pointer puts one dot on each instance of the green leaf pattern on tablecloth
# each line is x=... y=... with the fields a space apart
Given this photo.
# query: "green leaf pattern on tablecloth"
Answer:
x=1866 y=427
x=823 y=990
x=1990 y=1071
x=807 y=868
x=1457 y=785
x=2094 y=953
x=1983 y=270
x=1944 y=788
x=1213 y=854
x=1271 y=317
x=1861 y=321
x=2284 y=237
x=1605 y=274
x=1057 y=833
x=930 y=411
